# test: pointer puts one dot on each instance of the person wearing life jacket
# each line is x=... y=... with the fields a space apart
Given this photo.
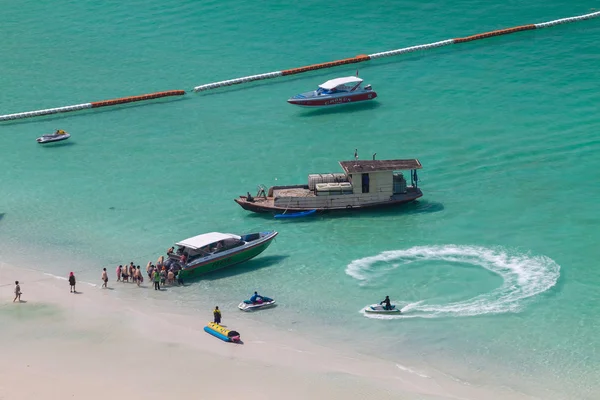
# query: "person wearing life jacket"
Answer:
x=217 y=315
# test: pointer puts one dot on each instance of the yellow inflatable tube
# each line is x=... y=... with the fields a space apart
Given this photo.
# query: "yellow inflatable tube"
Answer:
x=222 y=333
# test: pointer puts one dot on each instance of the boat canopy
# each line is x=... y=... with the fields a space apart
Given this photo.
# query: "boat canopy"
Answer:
x=336 y=83
x=366 y=166
x=205 y=239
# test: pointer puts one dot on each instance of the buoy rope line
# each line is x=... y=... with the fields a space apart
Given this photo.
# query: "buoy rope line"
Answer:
x=299 y=70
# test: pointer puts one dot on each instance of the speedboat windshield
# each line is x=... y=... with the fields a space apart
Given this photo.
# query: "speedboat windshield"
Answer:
x=325 y=91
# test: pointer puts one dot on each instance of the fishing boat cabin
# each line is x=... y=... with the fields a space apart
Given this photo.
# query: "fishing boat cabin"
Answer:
x=363 y=184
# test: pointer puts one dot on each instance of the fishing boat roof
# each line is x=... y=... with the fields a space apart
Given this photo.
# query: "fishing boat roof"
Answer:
x=205 y=239
x=333 y=83
x=361 y=166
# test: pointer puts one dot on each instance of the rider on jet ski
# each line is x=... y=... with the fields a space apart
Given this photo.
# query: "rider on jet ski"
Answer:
x=255 y=298
x=388 y=305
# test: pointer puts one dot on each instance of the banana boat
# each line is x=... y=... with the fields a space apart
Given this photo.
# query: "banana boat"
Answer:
x=222 y=333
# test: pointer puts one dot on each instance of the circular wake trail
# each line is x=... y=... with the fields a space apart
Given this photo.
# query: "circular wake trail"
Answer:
x=523 y=275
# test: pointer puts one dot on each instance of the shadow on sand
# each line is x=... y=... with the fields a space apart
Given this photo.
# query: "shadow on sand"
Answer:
x=252 y=265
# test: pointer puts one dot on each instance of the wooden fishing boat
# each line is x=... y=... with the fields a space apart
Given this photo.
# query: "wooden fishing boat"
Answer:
x=364 y=184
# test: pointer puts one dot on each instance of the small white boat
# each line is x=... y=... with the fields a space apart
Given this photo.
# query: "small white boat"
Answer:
x=335 y=92
x=264 y=302
x=379 y=309
x=57 y=136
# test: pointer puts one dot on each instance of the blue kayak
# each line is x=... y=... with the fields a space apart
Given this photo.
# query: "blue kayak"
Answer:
x=296 y=215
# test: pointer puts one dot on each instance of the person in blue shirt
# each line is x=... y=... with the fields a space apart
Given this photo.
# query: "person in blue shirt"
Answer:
x=255 y=298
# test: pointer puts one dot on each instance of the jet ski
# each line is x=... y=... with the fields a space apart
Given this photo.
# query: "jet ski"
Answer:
x=379 y=309
x=262 y=302
x=57 y=136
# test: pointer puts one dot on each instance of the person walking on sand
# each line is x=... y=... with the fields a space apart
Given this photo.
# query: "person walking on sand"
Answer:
x=72 y=282
x=156 y=278
x=104 y=278
x=17 y=292
x=217 y=315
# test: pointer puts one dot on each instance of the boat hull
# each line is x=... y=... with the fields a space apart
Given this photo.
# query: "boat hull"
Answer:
x=379 y=309
x=269 y=207
x=306 y=100
x=227 y=260
x=52 y=139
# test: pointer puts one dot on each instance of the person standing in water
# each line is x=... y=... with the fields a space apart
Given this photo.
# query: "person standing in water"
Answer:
x=104 y=278
x=72 y=282
x=17 y=292
x=156 y=278
x=217 y=315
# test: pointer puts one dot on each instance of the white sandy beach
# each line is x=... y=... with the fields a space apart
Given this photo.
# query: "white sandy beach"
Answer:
x=97 y=345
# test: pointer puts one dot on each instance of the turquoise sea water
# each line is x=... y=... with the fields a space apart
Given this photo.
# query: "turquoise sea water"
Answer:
x=499 y=255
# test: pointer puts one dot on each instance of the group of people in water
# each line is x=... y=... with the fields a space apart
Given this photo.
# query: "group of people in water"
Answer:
x=158 y=274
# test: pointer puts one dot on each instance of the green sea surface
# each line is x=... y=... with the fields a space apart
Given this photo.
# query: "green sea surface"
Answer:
x=496 y=264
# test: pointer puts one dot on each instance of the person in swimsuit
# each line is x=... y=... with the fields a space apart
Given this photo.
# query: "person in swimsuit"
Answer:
x=17 y=292
x=138 y=276
x=124 y=275
x=104 y=278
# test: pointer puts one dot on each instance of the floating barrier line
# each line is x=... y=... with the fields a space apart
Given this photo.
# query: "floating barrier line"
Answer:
x=293 y=71
x=362 y=58
x=95 y=104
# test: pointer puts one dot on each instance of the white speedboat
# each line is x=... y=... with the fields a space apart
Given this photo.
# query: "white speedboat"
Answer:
x=335 y=92
x=264 y=302
x=57 y=136
x=379 y=309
